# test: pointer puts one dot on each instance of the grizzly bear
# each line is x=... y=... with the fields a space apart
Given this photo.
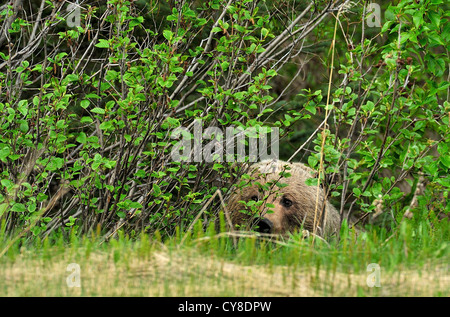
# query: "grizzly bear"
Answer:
x=286 y=203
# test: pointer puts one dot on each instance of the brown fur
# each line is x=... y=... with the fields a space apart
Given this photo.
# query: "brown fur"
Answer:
x=302 y=210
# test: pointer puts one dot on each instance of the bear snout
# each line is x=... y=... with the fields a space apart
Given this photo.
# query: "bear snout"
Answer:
x=263 y=225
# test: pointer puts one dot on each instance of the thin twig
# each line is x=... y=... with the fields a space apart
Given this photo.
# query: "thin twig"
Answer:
x=322 y=149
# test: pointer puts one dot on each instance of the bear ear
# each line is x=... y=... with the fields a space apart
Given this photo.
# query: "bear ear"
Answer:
x=302 y=168
x=268 y=166
x=276 y=166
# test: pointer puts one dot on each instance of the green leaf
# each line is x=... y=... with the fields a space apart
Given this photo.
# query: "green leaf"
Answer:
x=3 y=208
x=264 y=32
x=102 y=43
x=18 y=207
x=135 y=204
x=72 y=77
x=84 y=103
x=168 y=34
x=95 y=165
x=444 y=181
x=22 y=106
x=98 y=110
x=173 y=122
x=86 y=120
x=81 y=138
x=224 y=65
x=445 y=160
x=311 y=108
x=312 y=181
x=435 y=18
x=386 y=26
x=156 y=190
x=435 y=38
x=418 y=19
x=32 y=207
x=136 y=21
x=4 y=152
x=369 y=106
x=55 y=163
x=93 y=96
x=97 y=157
x=36 y=101
x=121 y=214
x=23 y=127
x=7 y=183
x=106 y=125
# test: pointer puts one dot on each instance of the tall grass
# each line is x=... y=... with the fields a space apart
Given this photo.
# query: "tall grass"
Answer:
x=413 y=260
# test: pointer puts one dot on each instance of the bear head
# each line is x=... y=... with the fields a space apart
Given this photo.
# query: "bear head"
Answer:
x=276 y=199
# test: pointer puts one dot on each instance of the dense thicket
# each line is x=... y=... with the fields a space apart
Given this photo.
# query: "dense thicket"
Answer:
x=90 y=95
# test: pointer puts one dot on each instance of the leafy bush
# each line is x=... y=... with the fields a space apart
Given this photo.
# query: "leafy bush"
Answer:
x=88 y=111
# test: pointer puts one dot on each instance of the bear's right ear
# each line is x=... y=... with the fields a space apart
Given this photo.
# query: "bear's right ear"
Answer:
x=269 y=166
x=302 y=168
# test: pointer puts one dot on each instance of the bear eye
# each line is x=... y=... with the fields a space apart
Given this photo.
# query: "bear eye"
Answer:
x=254 y=198
x=286 y=202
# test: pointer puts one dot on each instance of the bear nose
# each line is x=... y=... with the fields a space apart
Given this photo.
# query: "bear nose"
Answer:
x=264 y=225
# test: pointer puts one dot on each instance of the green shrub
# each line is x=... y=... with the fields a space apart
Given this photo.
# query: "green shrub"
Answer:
x=87 y=112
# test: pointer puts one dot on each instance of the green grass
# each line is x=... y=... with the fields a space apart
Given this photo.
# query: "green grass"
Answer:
x=413 y=261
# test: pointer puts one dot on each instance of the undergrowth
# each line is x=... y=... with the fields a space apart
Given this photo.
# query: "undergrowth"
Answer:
x=414 y=243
